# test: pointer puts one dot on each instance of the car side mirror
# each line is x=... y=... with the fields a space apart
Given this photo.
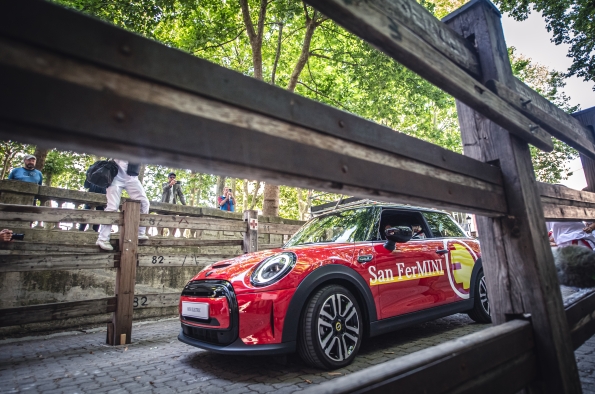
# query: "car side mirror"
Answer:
x=398 y=234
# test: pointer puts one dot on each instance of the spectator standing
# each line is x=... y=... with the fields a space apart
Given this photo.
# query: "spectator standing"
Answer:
x=93 y=189
x=227 y=201
x=27 y=173
x=127 y=179
x=172 y=191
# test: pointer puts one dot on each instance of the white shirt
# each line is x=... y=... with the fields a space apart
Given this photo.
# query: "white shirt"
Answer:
x=569 y=231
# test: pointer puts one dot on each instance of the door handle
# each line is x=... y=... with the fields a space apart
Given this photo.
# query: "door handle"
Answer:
x=364 y=258
x=442 y=251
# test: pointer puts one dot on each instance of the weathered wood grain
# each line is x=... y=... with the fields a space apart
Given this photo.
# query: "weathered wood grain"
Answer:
x=525 y=262
x=269 y=246
x=251 y=231
x=275 y=228
x=581 y=319
x=37 y=262
x=553 y=211
x=24 y=247
x=126 y=274
x=53 y=215
x=565 y=128
x=193 y=223
x=57 y=311
x=179 y=260
x=156 y=300
x=152 y=242
x=446 y=367
x=565 y=193
x=402 y=44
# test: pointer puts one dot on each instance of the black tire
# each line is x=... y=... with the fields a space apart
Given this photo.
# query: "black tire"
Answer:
x=331 y=328
x=481 y=305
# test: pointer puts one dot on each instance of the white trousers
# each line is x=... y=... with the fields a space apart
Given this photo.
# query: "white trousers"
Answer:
x=114 y=193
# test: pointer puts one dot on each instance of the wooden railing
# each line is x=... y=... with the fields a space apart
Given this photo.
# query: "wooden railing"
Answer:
x=57 y=66
x=30 y=255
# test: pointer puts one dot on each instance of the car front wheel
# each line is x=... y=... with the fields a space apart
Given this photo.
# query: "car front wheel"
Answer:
x=331 y=328
x=481 y=303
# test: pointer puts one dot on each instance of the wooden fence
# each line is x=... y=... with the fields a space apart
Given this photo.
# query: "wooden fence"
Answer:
x=128 y=254
x=77 y=83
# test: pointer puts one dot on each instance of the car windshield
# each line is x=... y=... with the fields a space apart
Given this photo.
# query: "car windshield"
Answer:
x=352 y=225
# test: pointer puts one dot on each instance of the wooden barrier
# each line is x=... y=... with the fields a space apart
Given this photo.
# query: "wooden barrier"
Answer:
x=499 y=359
x=85 y=92
x=57 y=311
x=28 y=256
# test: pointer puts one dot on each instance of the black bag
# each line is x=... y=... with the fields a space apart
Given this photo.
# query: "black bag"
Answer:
x=102 y=173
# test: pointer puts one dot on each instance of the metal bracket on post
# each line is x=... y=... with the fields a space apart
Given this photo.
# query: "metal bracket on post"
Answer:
x=251 y=235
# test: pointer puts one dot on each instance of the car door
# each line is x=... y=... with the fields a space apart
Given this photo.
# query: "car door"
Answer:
x=461 y=256
x=412 y=277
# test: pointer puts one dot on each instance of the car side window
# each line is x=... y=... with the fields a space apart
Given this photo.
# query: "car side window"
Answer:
x=442 y=225
x=411 y=219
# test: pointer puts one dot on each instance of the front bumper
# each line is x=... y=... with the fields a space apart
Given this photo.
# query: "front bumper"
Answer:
x=240 y=348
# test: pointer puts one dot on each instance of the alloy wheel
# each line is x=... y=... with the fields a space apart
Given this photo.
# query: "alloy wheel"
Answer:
x=338 y=327
x=483 y=295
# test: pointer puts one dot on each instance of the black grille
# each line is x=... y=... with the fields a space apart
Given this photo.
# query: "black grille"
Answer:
x=216 y=337
x=212 y=289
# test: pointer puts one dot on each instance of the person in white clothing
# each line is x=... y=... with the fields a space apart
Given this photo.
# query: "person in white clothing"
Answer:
x=572 y=233
x=126 y=179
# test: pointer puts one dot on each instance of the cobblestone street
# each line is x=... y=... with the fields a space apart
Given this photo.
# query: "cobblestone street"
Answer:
x=158 y=362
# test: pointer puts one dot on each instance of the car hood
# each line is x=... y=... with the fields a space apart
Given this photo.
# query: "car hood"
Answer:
x=237 y=270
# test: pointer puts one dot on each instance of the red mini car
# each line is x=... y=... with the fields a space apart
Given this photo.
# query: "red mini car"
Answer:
x=345 y=275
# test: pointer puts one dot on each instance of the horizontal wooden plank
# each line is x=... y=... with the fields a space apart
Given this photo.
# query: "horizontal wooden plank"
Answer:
x=581 y=320
x=156 y=300
x=347 y=170
x=68 y=195
x=180 y=260
x=48 y=26
x=374 y=24
x=565 y=128
x=49 y=262
x=277 y=228
x=192 y=223
x=190 y=242
x=27 y=247
x=439 y=369
x=553 y=210
x=565 y=193
x=53 y=215
x=57 y=311
x=269 y=246
x=547 y=106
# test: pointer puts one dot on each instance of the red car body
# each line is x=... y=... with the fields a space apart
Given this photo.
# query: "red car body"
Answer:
x=422 y=279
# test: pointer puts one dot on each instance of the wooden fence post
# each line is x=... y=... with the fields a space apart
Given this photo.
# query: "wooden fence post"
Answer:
x=517 y=258
x=251 y=235
x=120 y=329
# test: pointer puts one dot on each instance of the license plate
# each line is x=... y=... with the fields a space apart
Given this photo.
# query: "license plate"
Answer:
x=199 y=310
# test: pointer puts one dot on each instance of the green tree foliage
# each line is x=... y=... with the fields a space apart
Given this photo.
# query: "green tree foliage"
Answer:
x=340 y=70
x=570 y=21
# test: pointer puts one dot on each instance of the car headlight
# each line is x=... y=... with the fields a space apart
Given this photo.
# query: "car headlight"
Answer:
x=273 y=269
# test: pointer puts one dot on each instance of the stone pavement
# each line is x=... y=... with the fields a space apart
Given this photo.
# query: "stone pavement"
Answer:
x=157 y=362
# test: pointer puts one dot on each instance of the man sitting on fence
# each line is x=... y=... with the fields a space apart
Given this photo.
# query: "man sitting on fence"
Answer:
x=127 y=179
x=27 y=173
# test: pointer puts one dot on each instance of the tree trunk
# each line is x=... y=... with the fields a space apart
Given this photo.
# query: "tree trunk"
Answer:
x=7 y=157
x=40 y=154
x=220 y=186
x=141 y=172
x=245 y=202
x=233 y=186
x=270 y=203
x=254 y=196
